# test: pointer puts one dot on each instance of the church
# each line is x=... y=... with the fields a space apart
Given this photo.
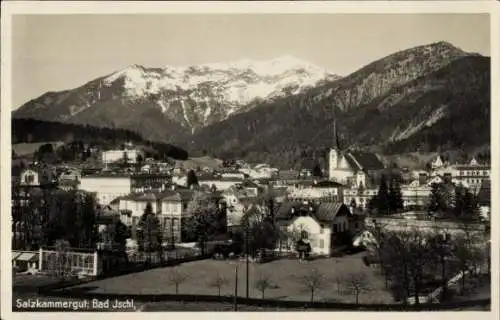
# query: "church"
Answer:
x=352 y=168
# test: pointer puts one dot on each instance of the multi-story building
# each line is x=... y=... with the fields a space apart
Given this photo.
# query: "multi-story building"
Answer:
x=170 y=206
x=469 y=175
x=472 y=175
x=107 y=187
x=152 y=182
x=310 y=190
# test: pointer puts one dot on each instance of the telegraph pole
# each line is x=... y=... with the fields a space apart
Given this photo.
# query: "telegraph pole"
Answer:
x=235 y=302
x=247 y=258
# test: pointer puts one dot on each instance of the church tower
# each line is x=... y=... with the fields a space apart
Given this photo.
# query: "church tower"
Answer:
x=335 y=154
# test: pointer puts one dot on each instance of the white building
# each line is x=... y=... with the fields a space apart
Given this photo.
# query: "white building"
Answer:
x=259 y=172
x=106 y=187
x=325 y=226
x=29 y=177
x=220 y=184
x=130 y=155
x=318 y=190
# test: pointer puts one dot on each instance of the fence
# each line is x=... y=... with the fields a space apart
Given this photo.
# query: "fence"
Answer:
x=80 y=263
x=81 y=293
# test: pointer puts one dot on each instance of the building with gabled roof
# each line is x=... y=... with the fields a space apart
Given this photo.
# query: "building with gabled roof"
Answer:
x=325 y=225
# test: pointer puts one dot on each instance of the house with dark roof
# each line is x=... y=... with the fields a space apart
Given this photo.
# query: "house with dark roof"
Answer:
x=327 y=226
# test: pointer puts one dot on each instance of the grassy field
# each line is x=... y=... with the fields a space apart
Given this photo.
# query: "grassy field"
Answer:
x=286 y=277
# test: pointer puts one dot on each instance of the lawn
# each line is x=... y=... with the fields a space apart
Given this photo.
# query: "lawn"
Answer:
x=286 y=277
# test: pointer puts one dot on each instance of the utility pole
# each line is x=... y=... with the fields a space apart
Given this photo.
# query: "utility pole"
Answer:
x=247 y=258
x=236 y=288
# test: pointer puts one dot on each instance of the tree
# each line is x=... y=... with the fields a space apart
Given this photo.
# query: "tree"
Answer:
x=316 y=172
x=358 y=283
x=313 y=281
x=419 y=258
x=259 y=232
x=218 y=282
x=205 y=222
x=149 y=236
x=262 y=284
x=125 y=158
x=470 y=207
x=59 y=263
x=353 y=203
x=383 y=201
x=192 y=179
x=438 y=199
x=372 y=204
x=45 y=153
x=395 y=196
x=139 y=159
x=441 y=250
x=122 y=233
x=177 y=277
x=463 y=253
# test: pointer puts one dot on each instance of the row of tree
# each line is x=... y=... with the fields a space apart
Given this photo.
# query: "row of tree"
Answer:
x=389 y=198
x=412 y=261
x=40 y=216
x=312 y=280
x=446 y=200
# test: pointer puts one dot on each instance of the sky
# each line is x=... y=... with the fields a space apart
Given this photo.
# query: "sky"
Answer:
x=60 y=52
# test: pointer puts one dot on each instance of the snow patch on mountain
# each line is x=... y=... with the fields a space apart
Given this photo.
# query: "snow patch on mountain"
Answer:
x=238 y=82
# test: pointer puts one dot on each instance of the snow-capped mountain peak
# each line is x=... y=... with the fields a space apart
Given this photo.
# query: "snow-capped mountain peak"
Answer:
x=231 y=85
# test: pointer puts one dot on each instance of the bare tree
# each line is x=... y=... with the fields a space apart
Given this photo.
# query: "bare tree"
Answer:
x=338 y=283
x=313 y=281
x=218 y=282
x=358 y=283
x=263 y=283
x=377 y=246
x=419 y=259
x=441 y=250
x=462 y=252
x=177 y=278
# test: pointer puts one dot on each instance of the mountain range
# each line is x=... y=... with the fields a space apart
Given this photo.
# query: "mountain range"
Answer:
x=165 y=103
x=427 y=98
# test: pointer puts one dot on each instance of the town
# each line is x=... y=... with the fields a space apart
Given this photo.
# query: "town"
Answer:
x=129 y=211
x=330 y=159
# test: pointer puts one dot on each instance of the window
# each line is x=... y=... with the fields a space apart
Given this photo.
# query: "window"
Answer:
x=321 y=243
x=335 y=227
x=321 y=229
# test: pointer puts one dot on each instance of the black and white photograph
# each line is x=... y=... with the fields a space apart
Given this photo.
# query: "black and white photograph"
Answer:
x=248 y=162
